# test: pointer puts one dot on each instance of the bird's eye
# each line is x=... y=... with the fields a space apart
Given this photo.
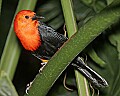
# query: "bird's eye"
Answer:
x=27 y=17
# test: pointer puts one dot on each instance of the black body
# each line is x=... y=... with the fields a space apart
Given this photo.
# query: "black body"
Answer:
x=51 y=42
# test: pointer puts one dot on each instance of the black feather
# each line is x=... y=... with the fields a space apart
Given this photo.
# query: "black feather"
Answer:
x=51 y=41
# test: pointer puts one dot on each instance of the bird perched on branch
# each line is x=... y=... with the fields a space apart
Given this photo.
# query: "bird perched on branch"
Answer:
x=43 y=42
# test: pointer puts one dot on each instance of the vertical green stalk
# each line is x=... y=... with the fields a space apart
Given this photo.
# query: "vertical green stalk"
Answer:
x=71 y=29
x=69 y=17
x=12 y=49
x=82 y=84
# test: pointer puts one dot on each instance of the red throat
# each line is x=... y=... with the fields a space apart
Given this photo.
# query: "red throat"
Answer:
x=27 y=30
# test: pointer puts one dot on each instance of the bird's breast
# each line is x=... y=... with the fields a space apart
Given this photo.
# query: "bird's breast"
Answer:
x=29 y=37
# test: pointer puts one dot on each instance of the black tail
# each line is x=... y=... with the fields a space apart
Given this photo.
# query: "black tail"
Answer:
x=91 y=75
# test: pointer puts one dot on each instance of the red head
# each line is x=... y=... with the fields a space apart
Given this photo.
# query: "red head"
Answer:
x=26 y=30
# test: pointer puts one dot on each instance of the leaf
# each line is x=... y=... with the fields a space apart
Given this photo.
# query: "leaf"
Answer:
x=6 y=86
x=109 y=1
x=82 y=11
x=115 y=40
x=97 y=5
x=96 y=58
x=47 y=9
x=111 y=72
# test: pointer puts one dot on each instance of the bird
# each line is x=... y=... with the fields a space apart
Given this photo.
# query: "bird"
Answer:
x=43 y=42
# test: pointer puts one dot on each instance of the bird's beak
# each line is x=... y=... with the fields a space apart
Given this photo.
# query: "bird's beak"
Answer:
x=37 y=17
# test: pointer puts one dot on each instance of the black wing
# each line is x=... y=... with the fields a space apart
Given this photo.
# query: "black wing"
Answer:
x=51 y=41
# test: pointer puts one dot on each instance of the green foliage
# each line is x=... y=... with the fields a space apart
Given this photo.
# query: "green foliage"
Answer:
x=111 y=72
x=93 y=55
x=6 y=86
x=93 y=17
x=115 y=40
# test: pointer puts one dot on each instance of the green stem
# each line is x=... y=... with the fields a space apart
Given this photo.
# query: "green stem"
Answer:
x=54 y=68
x=72 y=28
x=82 y=84
x=69 y=17
x=12 y=49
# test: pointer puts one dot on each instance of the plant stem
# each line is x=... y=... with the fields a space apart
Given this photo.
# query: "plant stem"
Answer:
x=69 y=17
x=72 y=28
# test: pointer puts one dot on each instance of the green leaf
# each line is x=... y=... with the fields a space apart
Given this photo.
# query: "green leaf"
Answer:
x=6 y=86
x=87 y=2
x=112 y=70
x=82 y=84
x=43 y=82
x=47 y=9
x=115 y=40
x=109 y=1
x=54 y=23
x=97 y=5
x=95 y=57
x=82 y=11
x=71 y=24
